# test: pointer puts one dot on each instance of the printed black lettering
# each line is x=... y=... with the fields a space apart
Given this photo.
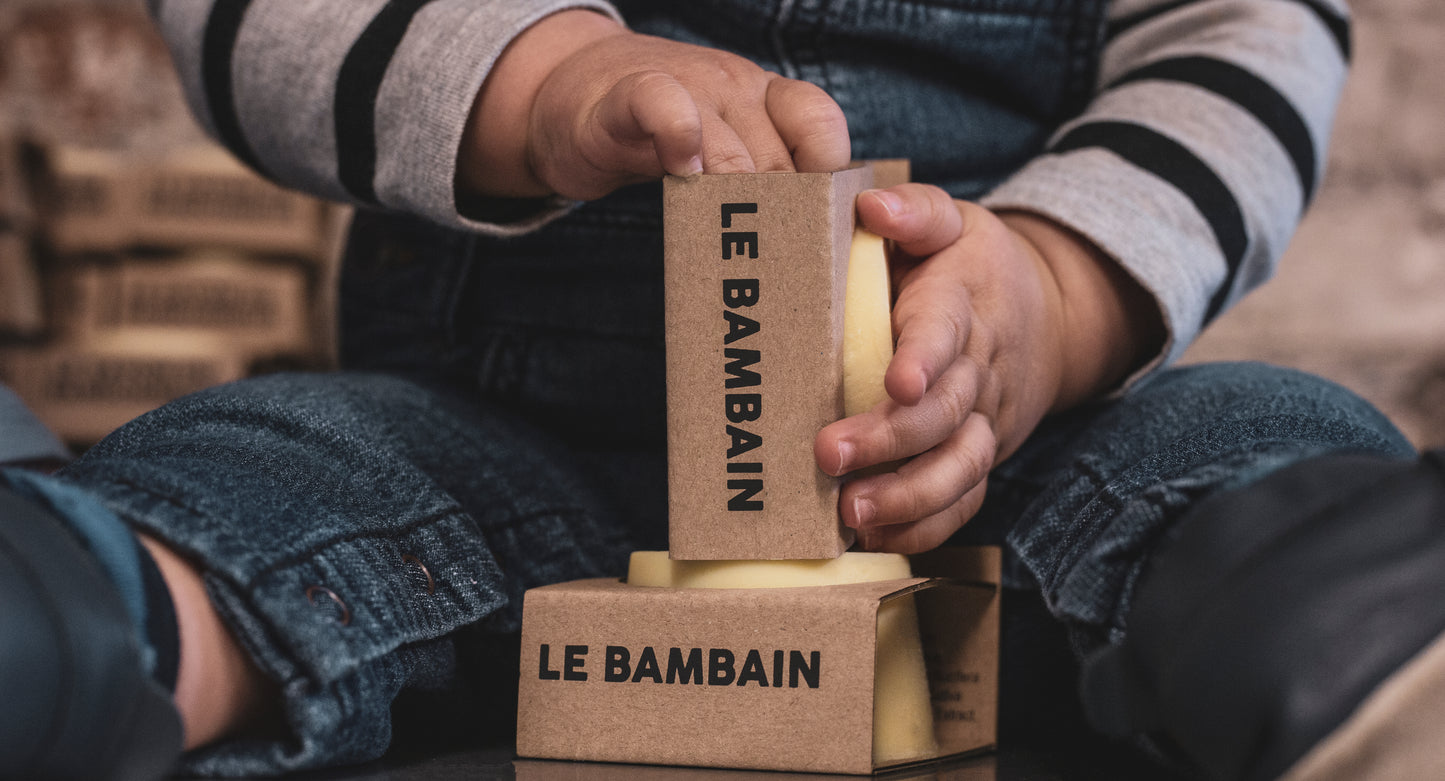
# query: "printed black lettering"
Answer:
x=618 y=666
x=745 y=467
x=742 y=441
x=753 y=670
x=744 y=407
x=543 y=669
x=647 y=666
x=696 y=666
x=739 y=326
x=739 y=293
x=720 y=670
x=807 y=669
x=743 y=501
x=684 y=671
x=729 y=209
x=738 y=361
x=572 y=663
x=742 y=242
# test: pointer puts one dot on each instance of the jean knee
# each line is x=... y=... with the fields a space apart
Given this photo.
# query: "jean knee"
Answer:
x=1266 y=403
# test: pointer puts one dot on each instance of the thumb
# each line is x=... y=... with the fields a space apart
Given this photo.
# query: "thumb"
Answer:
x=920 y=219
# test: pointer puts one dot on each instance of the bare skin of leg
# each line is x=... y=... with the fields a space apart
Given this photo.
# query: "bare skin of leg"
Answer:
x=219 y=691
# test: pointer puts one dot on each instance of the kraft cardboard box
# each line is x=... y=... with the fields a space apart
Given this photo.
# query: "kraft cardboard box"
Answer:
x=253 y=306
x=87 y=199
x=21 y=307
x=755 y=267
x=765 y=679
x=105 y=200
x=962 y=769
x=83 y=392
x=754 y=273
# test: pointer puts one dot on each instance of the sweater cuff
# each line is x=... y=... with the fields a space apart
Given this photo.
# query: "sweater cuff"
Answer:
x=426 y=98
x=1150 y=229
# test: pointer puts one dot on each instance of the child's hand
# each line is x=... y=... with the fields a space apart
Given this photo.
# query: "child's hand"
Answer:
x=998 y=321
x=580 y=106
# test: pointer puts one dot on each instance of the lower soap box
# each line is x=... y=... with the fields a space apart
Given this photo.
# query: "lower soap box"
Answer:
x=767 y=679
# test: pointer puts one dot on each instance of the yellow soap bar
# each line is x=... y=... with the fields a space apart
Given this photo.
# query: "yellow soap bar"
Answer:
x=902 y=713
x=867 y=324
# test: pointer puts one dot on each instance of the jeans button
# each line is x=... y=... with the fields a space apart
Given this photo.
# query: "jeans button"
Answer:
x=417 y=573
x=323 y=598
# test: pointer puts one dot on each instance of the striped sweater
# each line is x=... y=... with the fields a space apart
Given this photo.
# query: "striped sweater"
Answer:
x=1191 y=166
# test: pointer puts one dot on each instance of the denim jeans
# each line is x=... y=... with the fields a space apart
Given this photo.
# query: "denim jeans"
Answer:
x=500 y=424
x=368 y=536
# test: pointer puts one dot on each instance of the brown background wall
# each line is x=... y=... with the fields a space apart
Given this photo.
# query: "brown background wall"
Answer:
x=1360 y=296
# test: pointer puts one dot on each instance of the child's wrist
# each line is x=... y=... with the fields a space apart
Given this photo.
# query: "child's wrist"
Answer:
x=1110 y=324
x=493 y=158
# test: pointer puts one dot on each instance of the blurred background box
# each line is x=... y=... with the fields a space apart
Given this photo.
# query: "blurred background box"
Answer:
x=86 y=196
x=104 y=200
x=21 y=312
x=84 y=391
x=15 y=209
x=255 y=306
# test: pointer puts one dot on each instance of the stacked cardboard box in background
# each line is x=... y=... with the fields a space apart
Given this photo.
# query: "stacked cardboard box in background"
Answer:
x=20 y=301
x=162 y=273
x=100 y=200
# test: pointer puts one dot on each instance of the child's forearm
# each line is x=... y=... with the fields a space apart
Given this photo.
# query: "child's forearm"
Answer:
x=1111 y=324
x=1200 y=150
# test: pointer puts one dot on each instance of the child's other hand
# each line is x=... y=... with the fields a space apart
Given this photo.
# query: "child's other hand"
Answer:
x=589 y=106
x=999 y=319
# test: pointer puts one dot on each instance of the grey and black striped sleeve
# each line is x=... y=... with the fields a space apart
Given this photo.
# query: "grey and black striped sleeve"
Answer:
x=362 y=101
x=1201 y=148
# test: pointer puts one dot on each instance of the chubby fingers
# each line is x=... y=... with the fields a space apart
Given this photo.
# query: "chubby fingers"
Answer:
x=921 y=504
x=891 y=431
x=778 y=124
x=792 y=126
x=810 y=125
x=652 y=124
x=933 y=320
x=932 y=316
x=653 y=107
x=924 y=534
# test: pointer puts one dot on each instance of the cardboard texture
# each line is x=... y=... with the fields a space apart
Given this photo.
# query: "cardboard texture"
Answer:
x=101 y=200
x=254 y=307
x=754 y=273
x=961 y=769
x=772 y=678
x=83 y=392
x=766 y=679
x=964 y=695
x=21 y=312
